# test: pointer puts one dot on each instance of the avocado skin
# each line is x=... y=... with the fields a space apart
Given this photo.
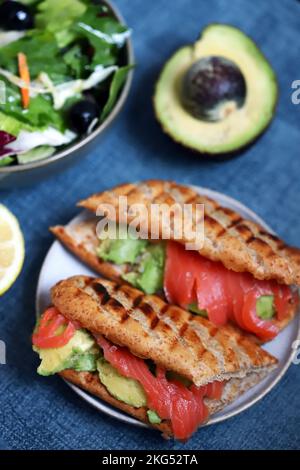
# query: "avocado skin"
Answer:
x=218 y=157
x=221 y=154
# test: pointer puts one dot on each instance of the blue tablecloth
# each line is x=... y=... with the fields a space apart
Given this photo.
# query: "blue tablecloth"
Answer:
x=43 y=413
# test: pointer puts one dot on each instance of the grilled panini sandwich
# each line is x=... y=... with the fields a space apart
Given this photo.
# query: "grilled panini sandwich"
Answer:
x=157 y=362
x=242 y=274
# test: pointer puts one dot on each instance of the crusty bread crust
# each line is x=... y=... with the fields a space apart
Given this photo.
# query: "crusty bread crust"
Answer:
x=91 y=383
x=82 y=241
x=173 y=338
x=240 y=244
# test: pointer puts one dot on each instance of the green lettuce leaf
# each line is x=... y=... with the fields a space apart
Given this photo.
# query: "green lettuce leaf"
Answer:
x=57 y=17
x=104 y=34
x=39 y=115
x=11 y=125
x=115 y=86
x=28 y=2
x=6 y=161
x=76 y=60
x=42 y=52
x=38 y=153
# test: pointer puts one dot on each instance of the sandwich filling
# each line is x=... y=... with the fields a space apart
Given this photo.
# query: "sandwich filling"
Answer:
x=202 y=286
x=63 y=344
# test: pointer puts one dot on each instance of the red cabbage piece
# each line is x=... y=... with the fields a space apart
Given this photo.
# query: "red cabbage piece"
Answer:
x=5 y=139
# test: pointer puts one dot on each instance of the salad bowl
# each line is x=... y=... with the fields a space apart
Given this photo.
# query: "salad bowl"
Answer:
x=34 y=170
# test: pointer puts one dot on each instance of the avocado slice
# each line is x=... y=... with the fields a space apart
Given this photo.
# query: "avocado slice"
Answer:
x=195 y=309
x=83 y=362
x=121 y=251
x=148 y=272
x=218 y=94
x=145 y=260
x=122 y=388
x=153 y=417
x=79 y=354
x=265 y=308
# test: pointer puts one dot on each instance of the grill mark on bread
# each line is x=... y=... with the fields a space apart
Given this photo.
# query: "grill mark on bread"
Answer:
x=164 y=309
x=172 y=317
x=262 y=245
x=197 y=354
x=212 y=221
x=116 y=306
x=183 y=329
x=157 y=197
x=168 y=316
x=125 y=317
x=164 y=198
x=154 y=322
x=192 y=199
x=137 y=301
x=131 y=191
x=244 y=231
x=234 y=223
x=102 y=292
x=143 y=313
x=254 y=256
x=227 y=244
x=146 y=309
x=210 y=344
x=241 y=357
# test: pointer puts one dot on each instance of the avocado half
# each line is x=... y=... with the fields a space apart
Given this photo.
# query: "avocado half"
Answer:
x=217 y=95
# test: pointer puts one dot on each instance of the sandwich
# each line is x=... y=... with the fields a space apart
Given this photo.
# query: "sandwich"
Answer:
x=242 y=274
x=155 y=361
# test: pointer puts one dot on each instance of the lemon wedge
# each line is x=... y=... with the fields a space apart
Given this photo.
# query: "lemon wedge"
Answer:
x=12 y=249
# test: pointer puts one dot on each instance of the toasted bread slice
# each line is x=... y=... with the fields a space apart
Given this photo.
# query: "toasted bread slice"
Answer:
x=240 y=244
x=81 y=239
x=174 y=339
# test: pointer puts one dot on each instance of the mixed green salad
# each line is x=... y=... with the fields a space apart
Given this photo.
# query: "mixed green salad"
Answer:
x=61 y=69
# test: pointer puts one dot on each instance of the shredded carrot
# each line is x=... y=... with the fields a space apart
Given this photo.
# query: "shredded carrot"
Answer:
x=25 y=76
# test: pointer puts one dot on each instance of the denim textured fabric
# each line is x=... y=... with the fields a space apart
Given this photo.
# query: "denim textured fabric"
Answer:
x=43 y=413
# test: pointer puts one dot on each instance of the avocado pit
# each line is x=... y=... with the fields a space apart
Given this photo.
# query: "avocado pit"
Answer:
x=212 y=88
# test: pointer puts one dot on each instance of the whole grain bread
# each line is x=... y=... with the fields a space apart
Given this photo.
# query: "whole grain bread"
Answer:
x=90 y=382
x=240 y=244
x=173 y=338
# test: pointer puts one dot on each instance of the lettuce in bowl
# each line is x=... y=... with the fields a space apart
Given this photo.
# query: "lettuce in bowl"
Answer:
x=74 y=56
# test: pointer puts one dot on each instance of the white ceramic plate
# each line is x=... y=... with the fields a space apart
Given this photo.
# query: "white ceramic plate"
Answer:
x=60 y=264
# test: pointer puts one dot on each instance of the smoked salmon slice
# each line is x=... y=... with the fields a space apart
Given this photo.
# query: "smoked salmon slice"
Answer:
x=225 y=295
x=171 y=400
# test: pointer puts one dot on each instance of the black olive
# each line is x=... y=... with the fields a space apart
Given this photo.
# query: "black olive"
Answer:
x=213 y=88
x=15 y=16
x=82 y=114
